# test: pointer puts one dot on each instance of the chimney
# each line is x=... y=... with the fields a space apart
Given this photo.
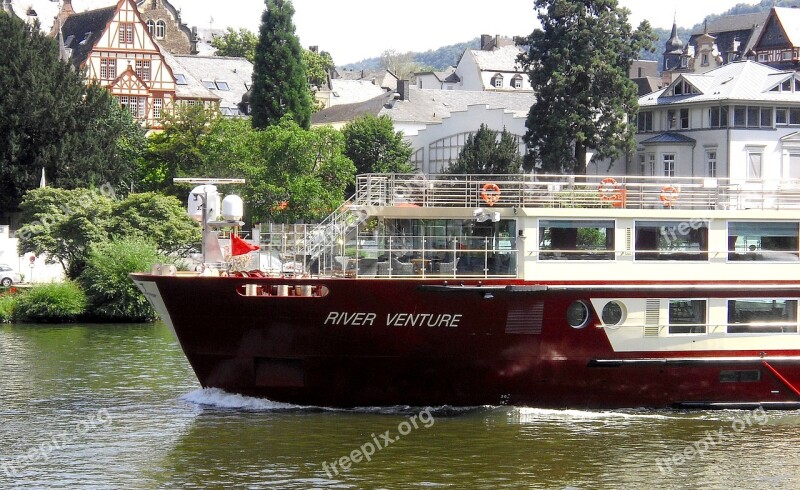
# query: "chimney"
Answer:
x=403 y=89
x=313 y=49
x=485 y=40
x=193 y=41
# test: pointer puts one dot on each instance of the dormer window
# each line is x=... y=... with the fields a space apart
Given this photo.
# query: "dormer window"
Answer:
x=222 y=85
x=682 y=87
x=789 y=85
x=497 y=81
x=180 y=79
x=516 y=82
x=209 y=84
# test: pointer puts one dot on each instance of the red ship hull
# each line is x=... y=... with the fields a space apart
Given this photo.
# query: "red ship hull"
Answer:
x=426 y=342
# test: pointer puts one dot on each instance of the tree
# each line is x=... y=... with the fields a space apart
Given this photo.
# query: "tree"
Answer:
x=374 y=146
x=49 y=118
x=240 y=44
x=578 y=65
x=293 y=174
x=180 y=149
x=318 y=66
x=402 y=65
x=280 y=85
x=488 y=152
x=63 y=224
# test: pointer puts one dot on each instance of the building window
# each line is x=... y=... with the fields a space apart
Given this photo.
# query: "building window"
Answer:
x=780 y=116
x=684 y=62
x=754 y=165
x=672 y=121
x=687 y=316
x=151 y=27
x=126 y=32
x=684 y=118
x=222 y=85
x=763 y=241
x=180 y=79
x=576 y=240
x=497 y=81
x=143 y=69
x=739 y=116
x=671 y=240
x=704 y=59
x=786 y=55
x=760 y=315
x=669 y=164
x=108 y=68
x=209 y=84
x=158 y=104
x=793 y=167
x=516 y=82
x=763 y=57
x=718 y=117
x=711 y=163
x=794 y=116
x=645 y=121
x=161 y=29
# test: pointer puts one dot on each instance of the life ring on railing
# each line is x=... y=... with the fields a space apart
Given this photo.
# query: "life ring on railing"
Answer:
x=669 y=195
x=490 y=193
x=609 y=190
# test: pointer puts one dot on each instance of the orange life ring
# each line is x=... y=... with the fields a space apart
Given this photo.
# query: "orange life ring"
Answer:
x=609 y=190
x=669 y=194
x=490 y=193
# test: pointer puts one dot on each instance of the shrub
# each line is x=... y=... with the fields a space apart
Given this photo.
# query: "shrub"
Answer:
x=7 y=304
x=111 y=294
x=50 y=303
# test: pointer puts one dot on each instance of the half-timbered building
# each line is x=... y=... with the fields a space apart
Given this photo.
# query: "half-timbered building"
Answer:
x=114 y=48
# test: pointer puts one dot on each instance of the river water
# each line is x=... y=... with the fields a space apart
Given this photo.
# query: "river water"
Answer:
x=117 y=406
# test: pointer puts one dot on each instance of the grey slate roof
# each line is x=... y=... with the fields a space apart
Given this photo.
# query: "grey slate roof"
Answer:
x=741 y=80
x=675 y=138
x=729 y=23
x=502 y=59
x=426 y=105
x=193 y=89
x=220 y=71
x=81 y=31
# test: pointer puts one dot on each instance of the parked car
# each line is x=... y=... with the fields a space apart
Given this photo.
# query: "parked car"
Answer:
x=8 y=276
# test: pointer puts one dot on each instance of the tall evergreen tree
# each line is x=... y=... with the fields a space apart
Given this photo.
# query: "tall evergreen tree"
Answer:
x=280 y=85
x=50 y=119
x=488 y=152
x=578 y=65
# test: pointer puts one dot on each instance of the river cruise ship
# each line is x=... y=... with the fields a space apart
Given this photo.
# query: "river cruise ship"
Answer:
x=546 y=291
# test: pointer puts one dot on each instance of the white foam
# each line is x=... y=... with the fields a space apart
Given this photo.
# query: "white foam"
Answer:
x=528 y=413
x=215 y=397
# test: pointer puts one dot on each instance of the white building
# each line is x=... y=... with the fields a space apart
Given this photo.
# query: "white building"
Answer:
x=739 y=121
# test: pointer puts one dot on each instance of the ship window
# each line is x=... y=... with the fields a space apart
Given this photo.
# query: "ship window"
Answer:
x=762 y=315
x=577 y=314
x=687 y=316
x=671 y=240
x=770 y=241
x=749 y=376
x=613 y=313
x=576 y=240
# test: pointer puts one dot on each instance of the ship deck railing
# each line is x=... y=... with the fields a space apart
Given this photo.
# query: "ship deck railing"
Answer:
x=574 y=191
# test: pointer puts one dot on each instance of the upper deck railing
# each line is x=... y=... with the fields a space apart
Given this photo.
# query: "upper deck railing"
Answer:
x=575 y=191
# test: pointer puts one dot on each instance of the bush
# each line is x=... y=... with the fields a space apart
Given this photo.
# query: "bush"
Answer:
x=7 y=304
x=111 y=294
x=50 y=303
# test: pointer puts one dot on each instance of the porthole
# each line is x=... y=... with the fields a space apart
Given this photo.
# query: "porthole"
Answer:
x=577 y=314
x=613 y=313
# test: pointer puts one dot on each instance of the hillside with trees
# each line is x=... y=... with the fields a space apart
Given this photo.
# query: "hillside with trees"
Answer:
x=441 y=58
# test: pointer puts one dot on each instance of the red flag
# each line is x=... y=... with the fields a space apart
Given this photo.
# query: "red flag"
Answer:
x=241 y=247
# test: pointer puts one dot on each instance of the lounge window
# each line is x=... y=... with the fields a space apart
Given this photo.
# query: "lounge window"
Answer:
x=718 y=117
x=780 y=116
x=671 y=240
x=576 y=240
x=794 y=116
x=739 y=116
x=687 y=316
x=760 y=315
x=645 y=121
x=684 y=118
x=763 y=241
